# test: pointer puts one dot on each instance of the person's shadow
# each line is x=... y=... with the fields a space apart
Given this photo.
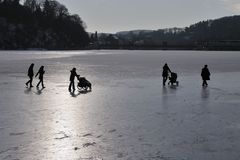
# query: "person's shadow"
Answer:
x=28 y=90
x=205 y=93
x=39 y=91
x=173 y=87
x=73 y=94
x=84 y=91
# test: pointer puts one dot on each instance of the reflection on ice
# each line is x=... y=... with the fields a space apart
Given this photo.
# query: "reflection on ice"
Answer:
x=205 y=93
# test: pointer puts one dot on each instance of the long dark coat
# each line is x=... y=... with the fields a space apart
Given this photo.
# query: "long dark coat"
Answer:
x=30 y=71
x=205 y=74
x=166 y=69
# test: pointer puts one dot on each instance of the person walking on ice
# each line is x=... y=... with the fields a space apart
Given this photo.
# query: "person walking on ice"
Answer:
x=205 y=75
x=40 y=73
x=30 y=75
x=166 y=69
x=72 y=77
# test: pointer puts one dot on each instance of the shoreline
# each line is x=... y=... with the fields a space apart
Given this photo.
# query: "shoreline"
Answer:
x=137 y=49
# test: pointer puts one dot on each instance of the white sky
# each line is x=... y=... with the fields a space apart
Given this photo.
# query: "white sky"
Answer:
x=121 y=15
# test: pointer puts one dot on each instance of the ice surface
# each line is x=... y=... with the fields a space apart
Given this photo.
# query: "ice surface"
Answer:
x=128 y=115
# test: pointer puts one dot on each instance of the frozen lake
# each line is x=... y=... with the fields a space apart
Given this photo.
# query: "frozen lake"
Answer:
x=128 y=115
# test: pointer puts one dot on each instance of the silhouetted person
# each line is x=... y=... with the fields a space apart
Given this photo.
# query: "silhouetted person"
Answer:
x=30 y=75
x=205 y=75
x=166 y=69
x=40 y=73
x=72 y=77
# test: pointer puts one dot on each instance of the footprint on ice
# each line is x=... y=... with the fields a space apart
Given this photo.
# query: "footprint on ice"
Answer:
x=61 y=135
x=120 y=155
x=17 y=134
x=87 y=135
x=76 y=148
x=111 y=131
x=99 y=136
x=88 y=144
x=10 y=149
x=4 y=83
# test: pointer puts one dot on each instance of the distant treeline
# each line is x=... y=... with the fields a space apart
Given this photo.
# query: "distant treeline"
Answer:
x=47 y=24
x=40 y=24
x=219 y=34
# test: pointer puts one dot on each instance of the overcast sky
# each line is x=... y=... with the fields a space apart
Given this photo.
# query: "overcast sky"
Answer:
x=119 y=15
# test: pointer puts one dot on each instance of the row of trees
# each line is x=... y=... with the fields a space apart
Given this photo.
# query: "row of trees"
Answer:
x=40 y=24
x=218 y=34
